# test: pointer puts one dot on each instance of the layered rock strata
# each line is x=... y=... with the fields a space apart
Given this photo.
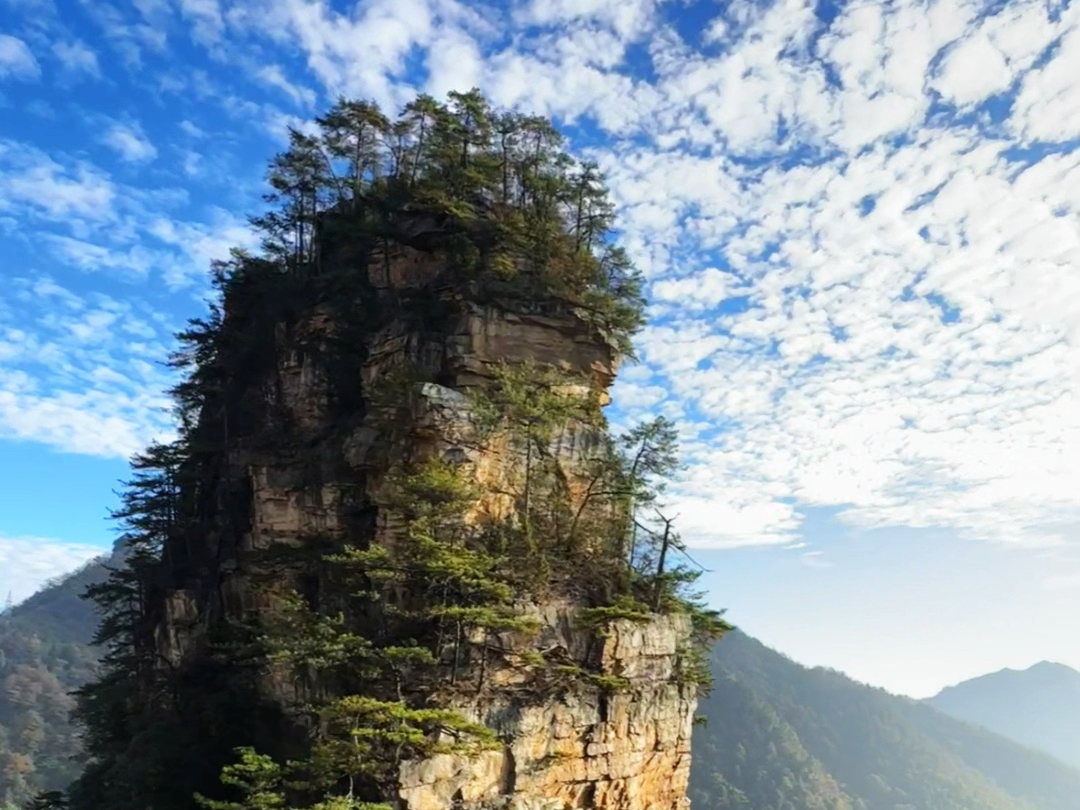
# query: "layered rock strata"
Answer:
x=304 y=462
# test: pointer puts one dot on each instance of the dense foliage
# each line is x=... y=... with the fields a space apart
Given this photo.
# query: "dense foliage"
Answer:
x=494 y=191
x=371 y=638
x=44 y=655
x=779 y=736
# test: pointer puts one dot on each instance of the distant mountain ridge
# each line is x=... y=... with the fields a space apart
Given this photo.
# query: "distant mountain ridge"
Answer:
x=57 y=611
x=1038 y=707
x=779 y=736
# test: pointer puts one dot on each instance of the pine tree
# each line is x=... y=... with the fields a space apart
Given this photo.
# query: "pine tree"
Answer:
x=435 y=589
x=258 y=779
x=354 y=137
x=650 y=453
x=111 y=709
x=302 y=186
x=533 y=403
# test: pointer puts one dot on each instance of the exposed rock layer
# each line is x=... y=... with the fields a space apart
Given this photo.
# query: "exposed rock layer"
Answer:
x=308 y=469
x=628 y=750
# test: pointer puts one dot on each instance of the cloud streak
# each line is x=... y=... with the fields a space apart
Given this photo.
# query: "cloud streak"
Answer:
x=16 y=59
x=129 y=142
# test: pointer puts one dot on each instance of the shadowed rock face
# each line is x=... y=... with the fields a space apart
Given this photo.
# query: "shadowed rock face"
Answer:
x=628 y=749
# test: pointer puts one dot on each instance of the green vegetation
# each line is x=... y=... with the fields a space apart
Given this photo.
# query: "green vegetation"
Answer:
x=368 y=637
x=40 y=663
x=45 y=653
x=58 y=613
x=494 y=192
x=779 y=736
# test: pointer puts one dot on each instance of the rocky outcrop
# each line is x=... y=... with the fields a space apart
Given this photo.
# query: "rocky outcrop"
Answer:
x=628 y=749
x=305 y=465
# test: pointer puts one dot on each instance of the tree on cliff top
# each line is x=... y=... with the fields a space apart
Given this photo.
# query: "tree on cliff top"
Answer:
x=503 y=197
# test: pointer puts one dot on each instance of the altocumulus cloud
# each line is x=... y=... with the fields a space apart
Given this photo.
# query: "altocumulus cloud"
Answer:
x=861 y=231
x=129 y=142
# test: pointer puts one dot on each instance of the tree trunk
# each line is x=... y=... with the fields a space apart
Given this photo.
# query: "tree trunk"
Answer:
x=665 y=542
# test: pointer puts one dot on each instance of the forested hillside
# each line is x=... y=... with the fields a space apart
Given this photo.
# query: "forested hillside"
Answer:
x=780 y=736
x=44 y=655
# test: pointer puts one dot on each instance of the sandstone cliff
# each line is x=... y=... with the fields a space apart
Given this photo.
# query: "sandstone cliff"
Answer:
x=301 y=460
x=628 y=750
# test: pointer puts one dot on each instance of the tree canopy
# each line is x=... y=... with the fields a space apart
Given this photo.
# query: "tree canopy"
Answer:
x=501 y=194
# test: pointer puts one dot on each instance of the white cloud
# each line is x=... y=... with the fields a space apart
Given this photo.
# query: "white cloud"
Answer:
x=627 y=17
x=97 y=423
x=201 y=243
x=81 y=372
x=869 y=399
x=73 y=373
x=989 y=60
x=133 y=261
x=193 y=163
x=77 y=58
x=1048 y=106
x=191 y=129
x=454 y=63
x=348 y=53
x=94 y=223
x=31 y=179
x=27 y=563
x=132 y=38
x=272 y=76
x=813 y=559
x=129 y=142
x=973 y=71
x=206 y=19
x=16 y=60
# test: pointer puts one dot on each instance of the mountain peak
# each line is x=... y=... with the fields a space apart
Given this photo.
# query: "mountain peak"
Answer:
x=1038 y=706
x=1043 y=672
x=1053 y=667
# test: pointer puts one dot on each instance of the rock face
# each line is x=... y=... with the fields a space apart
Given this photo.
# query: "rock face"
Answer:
x=628 y=750
x=304 y=463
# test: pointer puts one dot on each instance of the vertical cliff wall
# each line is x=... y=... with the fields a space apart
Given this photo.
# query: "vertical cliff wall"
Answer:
x=629 y=749
x=298 y=456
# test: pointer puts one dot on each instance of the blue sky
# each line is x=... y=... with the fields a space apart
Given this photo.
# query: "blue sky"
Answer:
x=860 y=224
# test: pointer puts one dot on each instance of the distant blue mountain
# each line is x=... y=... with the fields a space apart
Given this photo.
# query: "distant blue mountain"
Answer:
x=1038 y=707
x=780 y=736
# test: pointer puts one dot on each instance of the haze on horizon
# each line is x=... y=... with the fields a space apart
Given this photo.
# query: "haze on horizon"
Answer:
x=861 y=230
